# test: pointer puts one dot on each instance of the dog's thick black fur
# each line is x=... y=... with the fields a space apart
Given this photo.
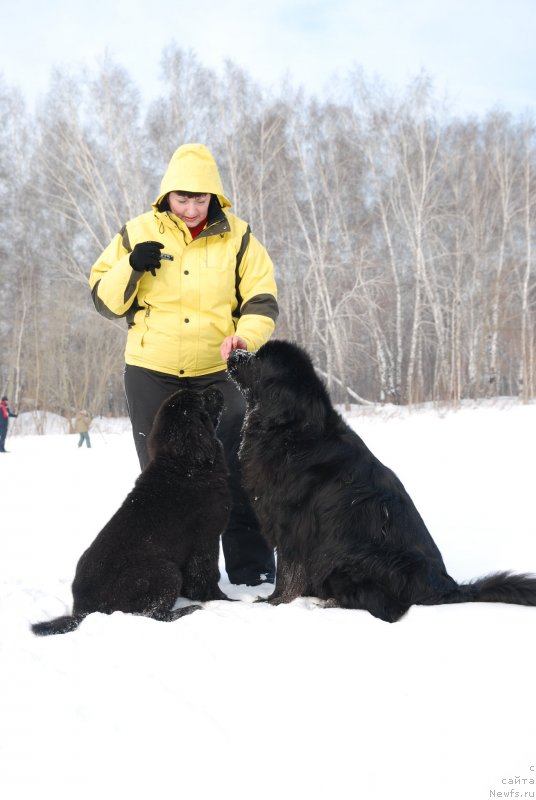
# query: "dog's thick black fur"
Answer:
x=164 y=540
x=344 y=527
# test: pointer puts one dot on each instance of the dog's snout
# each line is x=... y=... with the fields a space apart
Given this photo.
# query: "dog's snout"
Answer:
x=239 y=358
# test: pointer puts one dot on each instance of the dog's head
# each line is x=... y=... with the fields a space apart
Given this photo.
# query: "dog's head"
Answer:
x=280 y=380
x=184 y=427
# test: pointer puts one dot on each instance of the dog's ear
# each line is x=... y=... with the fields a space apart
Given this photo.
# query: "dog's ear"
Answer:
x=213 y=402
x=290 y=404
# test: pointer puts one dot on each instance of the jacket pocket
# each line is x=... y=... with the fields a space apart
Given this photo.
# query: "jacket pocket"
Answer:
x=145 y=328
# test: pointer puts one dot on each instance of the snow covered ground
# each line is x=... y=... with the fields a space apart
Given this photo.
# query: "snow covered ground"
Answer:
x=245 y=701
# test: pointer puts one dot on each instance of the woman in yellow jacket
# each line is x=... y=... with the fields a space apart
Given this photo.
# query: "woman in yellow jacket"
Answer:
x=194 y=284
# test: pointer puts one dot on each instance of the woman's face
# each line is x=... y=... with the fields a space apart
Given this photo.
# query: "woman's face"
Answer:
x=192 y=210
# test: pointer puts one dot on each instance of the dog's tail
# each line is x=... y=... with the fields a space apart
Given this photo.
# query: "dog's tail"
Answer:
x=58 y=625
x=499 y=587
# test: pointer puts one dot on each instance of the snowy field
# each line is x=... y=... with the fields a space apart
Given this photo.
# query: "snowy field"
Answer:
x=249 y=702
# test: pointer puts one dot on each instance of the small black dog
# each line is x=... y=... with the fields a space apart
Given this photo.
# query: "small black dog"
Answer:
x=345 y=528
x=164 y=540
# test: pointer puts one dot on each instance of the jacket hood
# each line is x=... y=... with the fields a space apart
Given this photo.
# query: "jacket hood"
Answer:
x=193 y=169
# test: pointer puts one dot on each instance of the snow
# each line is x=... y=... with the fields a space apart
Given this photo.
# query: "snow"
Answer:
x=243 y=700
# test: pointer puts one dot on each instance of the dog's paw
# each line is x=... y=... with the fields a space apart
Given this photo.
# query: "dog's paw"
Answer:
x=279 y=599
x=217 y=594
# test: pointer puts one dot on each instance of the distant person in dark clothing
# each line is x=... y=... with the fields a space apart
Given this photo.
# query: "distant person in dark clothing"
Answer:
x=81 y=426
x=5 y=414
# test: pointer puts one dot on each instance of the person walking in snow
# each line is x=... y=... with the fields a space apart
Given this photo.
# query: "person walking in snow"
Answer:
x=5 y=414
x=193 y=284
x=81 y=426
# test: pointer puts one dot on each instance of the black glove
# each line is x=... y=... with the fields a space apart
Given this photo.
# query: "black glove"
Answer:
x=146 y=257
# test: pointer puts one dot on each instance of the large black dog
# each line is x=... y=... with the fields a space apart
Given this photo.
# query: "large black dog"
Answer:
x=164 y=540
x=344 y=527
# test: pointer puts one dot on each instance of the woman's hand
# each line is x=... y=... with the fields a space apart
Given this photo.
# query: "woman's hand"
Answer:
x=231 y=343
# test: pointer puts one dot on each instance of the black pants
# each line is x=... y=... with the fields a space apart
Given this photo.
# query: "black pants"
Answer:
x=3 y=434
x=248 y=559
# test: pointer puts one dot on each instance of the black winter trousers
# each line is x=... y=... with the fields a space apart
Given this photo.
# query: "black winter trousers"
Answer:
x=3 y=434
x=248 y=559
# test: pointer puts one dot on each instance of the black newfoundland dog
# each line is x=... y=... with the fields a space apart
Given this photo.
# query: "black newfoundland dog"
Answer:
x=164 y=540
x=344 y=527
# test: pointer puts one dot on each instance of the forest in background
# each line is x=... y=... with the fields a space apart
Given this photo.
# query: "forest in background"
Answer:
x=401 y=234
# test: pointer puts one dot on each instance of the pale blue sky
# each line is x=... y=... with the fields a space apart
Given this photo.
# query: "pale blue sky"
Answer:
x=481 y=52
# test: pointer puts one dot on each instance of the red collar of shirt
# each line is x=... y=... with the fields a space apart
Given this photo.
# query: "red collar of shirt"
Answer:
x=198 y=228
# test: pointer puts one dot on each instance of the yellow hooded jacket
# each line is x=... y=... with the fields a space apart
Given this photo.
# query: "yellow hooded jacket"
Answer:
x=218 y=284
